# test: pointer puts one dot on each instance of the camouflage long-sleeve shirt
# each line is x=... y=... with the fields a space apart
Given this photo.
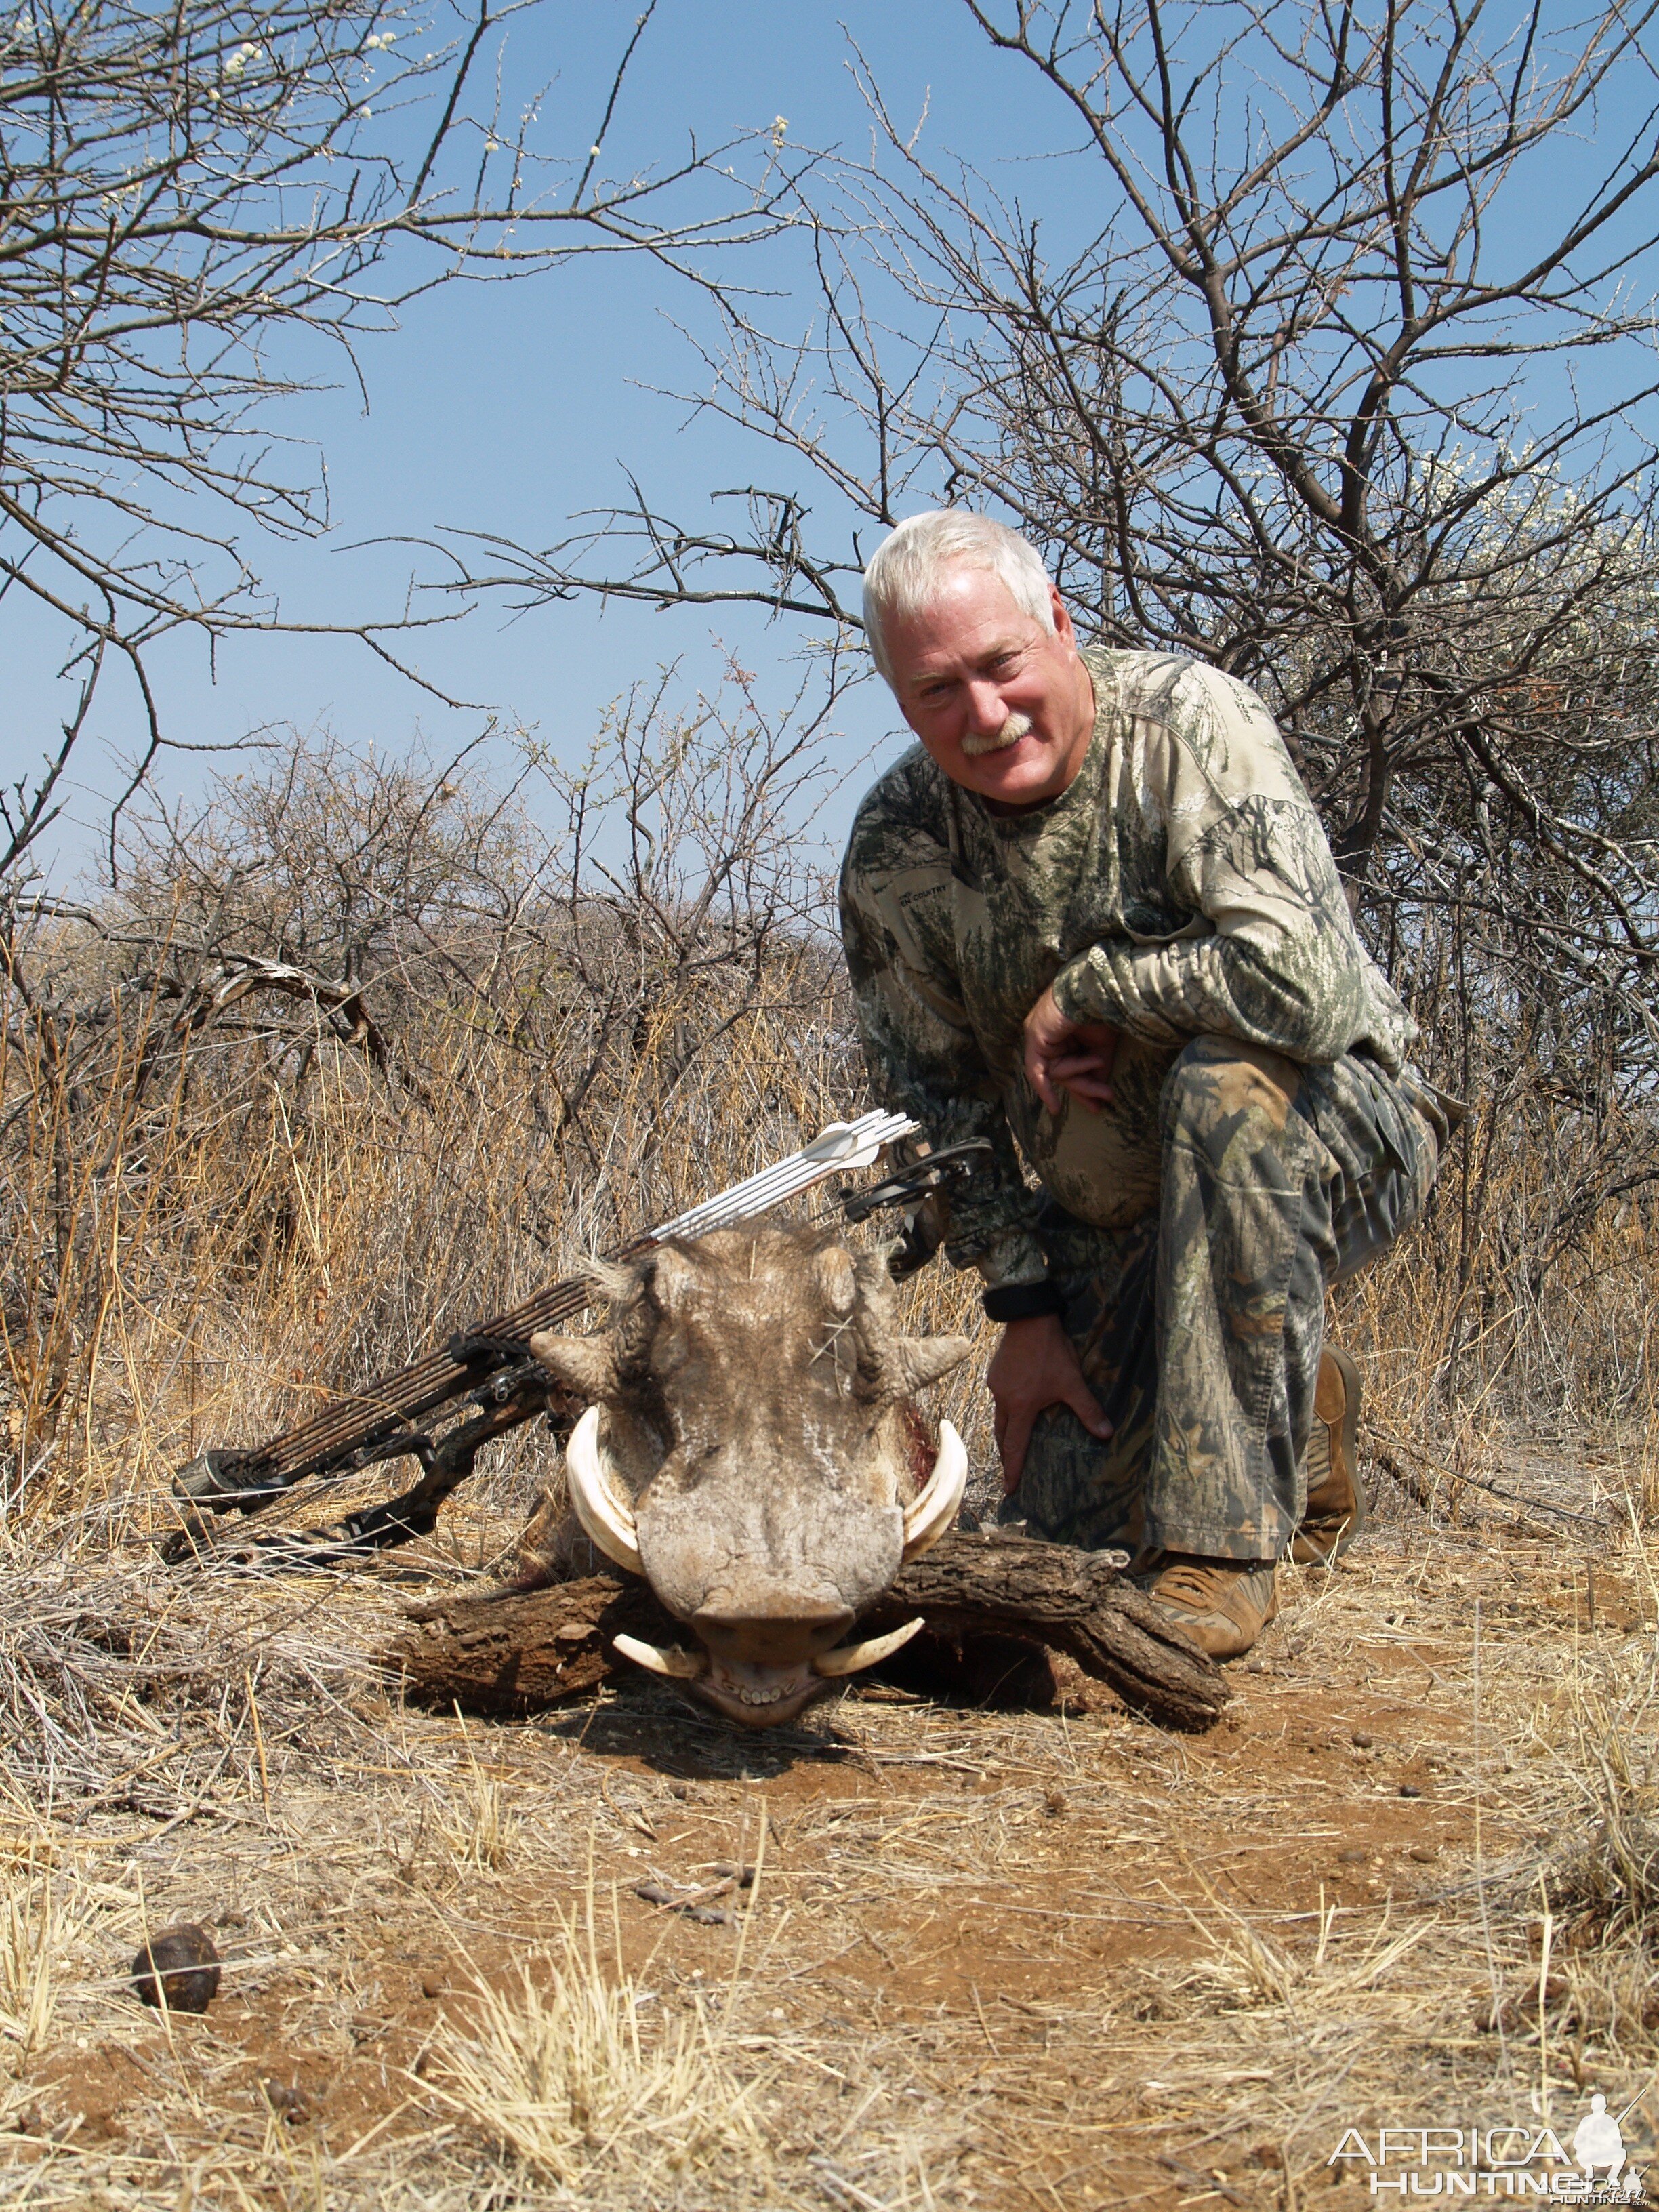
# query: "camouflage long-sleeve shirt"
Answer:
x=1182 y=885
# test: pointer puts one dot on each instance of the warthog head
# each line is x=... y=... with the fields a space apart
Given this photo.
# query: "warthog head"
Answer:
x=752 y=1449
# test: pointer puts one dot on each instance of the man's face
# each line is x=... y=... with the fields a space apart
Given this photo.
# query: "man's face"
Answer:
x=1005 y=708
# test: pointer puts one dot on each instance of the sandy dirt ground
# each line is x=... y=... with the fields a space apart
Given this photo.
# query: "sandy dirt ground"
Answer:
x=897 y=1955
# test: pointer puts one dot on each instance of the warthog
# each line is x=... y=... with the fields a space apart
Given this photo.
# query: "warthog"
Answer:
x=752 y=1448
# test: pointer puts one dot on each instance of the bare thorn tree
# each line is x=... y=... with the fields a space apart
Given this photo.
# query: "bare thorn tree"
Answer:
x=191 y=192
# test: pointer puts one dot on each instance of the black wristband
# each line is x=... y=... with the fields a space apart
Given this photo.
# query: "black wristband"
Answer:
x=1023 y=1301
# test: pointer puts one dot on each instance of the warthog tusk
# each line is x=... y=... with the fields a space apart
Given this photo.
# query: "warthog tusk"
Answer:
x=933 y=1512
x=851 y=1658
x=602 y=1514
x=679 y=1666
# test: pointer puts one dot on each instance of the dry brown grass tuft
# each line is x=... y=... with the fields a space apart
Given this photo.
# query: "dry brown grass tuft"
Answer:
x=573 y=2072
x=1243 y=1969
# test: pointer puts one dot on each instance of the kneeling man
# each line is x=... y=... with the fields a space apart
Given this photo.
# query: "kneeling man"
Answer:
x=1094 y=918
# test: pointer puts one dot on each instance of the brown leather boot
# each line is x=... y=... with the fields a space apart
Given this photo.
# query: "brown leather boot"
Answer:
x=1336 y=1507
x=1220 y=1605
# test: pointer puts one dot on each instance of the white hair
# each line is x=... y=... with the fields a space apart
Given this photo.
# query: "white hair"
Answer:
x=906 y=570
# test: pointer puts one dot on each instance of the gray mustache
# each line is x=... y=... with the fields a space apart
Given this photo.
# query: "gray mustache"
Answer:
x=1016 y=727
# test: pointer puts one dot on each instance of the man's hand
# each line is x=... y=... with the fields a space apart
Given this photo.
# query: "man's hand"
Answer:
x=1074 y=1056
x=1034 y=1367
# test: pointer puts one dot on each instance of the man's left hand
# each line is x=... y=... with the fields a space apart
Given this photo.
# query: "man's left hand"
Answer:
x=1066 y=1055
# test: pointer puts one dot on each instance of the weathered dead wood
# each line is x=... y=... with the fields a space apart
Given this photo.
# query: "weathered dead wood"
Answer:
x=518 y=1652
x=498 y=1655
x=1069 y=1601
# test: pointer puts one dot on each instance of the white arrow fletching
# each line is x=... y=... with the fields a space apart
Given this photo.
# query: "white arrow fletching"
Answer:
x=842 y=1145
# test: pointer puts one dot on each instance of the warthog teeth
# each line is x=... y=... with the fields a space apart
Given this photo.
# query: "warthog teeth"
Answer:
x=851 y=1658
x=928 y=1516
x=606 y=1520
x=679 y=1666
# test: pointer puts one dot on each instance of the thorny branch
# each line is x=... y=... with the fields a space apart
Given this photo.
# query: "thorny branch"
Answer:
x=189 y=197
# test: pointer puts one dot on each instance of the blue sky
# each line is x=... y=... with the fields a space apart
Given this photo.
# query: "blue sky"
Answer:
x=509 y=407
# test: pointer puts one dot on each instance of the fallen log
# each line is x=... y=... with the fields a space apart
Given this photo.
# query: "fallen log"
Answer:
x=521 y=1652
x=1066 y=1601
x=514 y=1654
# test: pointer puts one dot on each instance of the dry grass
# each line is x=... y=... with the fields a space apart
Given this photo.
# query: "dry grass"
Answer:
x=989 y=1959
x=565 y=2071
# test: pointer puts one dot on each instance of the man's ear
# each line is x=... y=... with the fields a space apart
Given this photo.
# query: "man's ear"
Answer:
x=1062 y=613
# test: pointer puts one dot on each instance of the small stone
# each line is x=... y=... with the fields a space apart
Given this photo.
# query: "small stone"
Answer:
x=729 y=1871
x=1056 y=1804
x=1354 y=1858
x=432 y=1985
x=652 y=1892
x=1410 y=1790
x=710 y=1915
x=288 y=2099
x=1425 y=1854
x=1362 y=1740
x=180 y=1965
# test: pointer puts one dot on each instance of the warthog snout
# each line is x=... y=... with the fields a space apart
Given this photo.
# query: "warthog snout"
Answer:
x=778 y=1627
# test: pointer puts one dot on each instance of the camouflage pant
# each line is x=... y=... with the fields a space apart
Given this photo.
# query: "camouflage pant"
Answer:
x=1200 y=1328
